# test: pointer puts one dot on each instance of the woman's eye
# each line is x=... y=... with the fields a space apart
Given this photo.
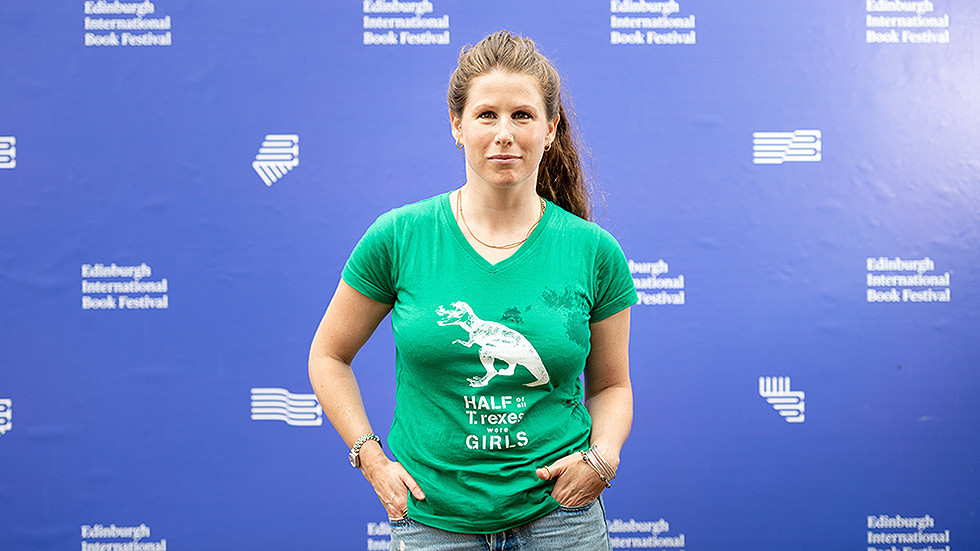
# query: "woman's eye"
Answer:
x=522 y=115
x=485 y=115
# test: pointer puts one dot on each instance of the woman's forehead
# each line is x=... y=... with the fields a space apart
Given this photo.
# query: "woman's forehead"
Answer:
x=505 y=88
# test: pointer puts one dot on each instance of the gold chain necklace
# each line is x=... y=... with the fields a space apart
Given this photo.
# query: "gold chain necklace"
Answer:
x=459 y=211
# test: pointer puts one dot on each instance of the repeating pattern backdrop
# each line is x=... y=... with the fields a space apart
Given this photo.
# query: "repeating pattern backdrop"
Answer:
x=797 y=185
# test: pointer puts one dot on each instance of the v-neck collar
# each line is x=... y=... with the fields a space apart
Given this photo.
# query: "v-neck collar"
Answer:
x=450 y=221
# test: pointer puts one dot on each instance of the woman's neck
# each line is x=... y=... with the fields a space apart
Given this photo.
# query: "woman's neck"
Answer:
x=495 y=224
x=502 y=209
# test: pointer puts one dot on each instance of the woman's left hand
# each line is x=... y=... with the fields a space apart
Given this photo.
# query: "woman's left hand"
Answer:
x=576 y=484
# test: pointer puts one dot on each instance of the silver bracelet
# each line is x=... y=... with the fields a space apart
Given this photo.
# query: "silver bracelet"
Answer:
x=355 y=459
x=603 y=463
x=598 y=464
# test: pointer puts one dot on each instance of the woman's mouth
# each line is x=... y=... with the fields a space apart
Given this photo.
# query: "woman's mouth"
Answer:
x=503 y=158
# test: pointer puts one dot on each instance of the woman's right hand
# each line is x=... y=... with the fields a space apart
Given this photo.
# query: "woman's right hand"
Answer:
x=347 y=324
x=392 y=483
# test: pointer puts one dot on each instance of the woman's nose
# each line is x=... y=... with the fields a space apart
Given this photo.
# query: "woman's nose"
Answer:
x=505 y=134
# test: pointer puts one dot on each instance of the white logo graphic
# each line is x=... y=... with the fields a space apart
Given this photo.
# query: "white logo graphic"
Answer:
x=775 y=148
x=496 y=342
x=8 y=153
x=790 y=404
x=278 y=155
x=278 y=404
x=6 y=415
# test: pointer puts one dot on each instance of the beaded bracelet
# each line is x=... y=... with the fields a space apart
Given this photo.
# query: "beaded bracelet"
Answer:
x=601 y=476
x=599 y=465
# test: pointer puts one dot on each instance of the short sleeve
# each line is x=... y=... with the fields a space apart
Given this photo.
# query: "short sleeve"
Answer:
x=614 y=282
x=369 y=269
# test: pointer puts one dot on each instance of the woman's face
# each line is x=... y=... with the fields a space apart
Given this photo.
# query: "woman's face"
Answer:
x=504 y=128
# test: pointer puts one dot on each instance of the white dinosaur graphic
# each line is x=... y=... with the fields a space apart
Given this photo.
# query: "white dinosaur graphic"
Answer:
x=496 y=342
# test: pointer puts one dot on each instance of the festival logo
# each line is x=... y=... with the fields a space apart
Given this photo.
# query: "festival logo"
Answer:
x=776 y=148
x=496 y=342
x=888 y=530
x=278 y=155
x=905 y=22
x=892 y=280
x=382 y=529
x=123 y=24
x=653 y=287
x=639 y=534
x=102 y=288
x=6 y=415
x=127 y=537
x=788 y=403
x=396 y=23
x=278 y=404
x=653 y=23
x=8 y=153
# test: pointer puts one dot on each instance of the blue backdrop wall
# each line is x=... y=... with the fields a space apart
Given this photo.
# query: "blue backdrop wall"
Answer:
x=797 y=185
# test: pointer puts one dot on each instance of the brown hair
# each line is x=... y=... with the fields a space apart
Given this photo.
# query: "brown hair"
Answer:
x=560 y=176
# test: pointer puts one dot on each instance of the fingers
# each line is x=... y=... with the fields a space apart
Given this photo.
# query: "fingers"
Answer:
x=397 y=506
x=412 y=486
x=393 y=486
x=393 y=510
x=575 y=483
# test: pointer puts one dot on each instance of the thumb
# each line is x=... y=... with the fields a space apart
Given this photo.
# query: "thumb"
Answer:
x=549 y=472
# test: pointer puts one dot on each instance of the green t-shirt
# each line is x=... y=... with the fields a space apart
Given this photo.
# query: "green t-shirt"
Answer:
x=488 y=356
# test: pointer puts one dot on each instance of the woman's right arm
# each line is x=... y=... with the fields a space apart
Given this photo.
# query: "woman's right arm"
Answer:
x=349 y=321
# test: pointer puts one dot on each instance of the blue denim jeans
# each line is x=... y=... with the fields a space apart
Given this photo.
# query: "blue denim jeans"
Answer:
x=564 y=529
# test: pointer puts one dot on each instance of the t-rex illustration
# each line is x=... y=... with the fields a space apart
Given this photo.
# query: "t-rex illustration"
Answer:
x=496 y=342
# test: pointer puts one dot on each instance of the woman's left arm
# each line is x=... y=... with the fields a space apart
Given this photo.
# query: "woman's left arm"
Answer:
x=608 y=393
x=609 y=399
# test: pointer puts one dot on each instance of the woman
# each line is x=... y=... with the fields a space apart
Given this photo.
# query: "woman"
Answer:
x=501 y=294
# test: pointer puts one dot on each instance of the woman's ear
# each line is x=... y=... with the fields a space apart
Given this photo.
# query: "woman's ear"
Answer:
x=456 y=126
x=553 y=129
